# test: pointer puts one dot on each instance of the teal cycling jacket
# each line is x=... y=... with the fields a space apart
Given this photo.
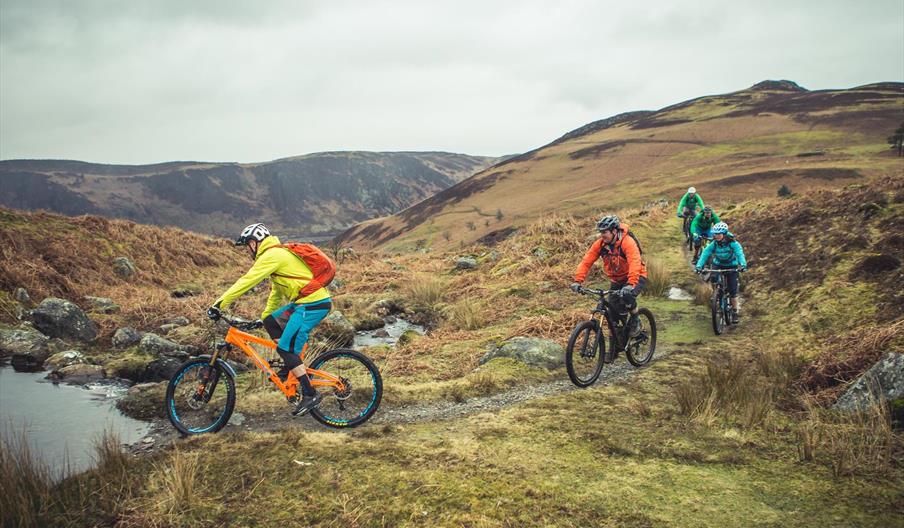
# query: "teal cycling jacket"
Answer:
x=727 y=253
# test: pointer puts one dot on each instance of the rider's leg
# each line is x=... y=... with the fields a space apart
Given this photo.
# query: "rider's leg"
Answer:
x=631 y=304
x=293 y=339
x=733 y=295
x=274 y=324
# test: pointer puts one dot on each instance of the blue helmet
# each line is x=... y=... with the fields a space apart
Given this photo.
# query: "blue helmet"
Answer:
x=721 y=227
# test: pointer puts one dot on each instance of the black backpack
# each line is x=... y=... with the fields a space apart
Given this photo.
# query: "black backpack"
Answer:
x=622 y=251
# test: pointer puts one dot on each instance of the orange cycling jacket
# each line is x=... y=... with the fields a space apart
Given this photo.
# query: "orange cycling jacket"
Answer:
x=621 y=259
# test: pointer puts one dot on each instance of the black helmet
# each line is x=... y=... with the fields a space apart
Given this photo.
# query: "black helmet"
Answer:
x=256 y=232
x=608 y=222
x=707 y=210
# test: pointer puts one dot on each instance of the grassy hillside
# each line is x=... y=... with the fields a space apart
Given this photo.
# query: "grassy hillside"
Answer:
x=313 y=195
x=721 y=431
x=732 y=147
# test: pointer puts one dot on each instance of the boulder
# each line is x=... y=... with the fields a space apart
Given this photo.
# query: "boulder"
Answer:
x=167 y=328
x=21 y=295
x=385 y=307
x=126 y=336
x=102 y=304
x=381 y=333
x=22 y=340
x=408 y=336
x=336 y=329
x=144 y=401
x=161 y=369
x=368 y=322
x=64 y=359
x=540 y=253
x=158 y=346
x=61 y=318
x=884 y=380
x=80 y=373
x=529 y=350
x=177 y=321
x=123 y=267
x=130 y=365
x=465 y=263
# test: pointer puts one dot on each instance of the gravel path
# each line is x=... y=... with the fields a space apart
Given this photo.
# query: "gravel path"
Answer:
x=162 y=433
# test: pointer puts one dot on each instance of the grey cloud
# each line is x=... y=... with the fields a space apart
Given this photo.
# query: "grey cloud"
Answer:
x=153 y=81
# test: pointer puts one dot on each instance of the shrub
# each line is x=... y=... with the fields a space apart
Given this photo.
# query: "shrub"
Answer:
x=784 y=191
x=425 y=291
x=464 y=315
x=658 y=278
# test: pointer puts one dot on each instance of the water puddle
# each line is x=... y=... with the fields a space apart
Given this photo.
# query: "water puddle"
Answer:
x=62 y=422
x=677 y=294
x=388 y=335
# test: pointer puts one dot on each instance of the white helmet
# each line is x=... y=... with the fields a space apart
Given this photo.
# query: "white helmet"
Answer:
x=692 y=190
x=720 y=228
x=256 y=232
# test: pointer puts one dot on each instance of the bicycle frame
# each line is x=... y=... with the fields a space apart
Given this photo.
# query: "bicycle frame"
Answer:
x=604 y=309
x=241 y=339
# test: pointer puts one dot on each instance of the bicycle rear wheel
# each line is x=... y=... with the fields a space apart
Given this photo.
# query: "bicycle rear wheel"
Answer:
x=200 y=398
x=584 y=354
x=363 y=391
x=641 y=347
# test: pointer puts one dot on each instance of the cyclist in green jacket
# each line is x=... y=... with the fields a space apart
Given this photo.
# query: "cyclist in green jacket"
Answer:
x=701 y=228
x=689 y=203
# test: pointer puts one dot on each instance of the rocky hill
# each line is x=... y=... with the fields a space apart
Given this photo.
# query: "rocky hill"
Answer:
x=731 y=146
x=307 y=196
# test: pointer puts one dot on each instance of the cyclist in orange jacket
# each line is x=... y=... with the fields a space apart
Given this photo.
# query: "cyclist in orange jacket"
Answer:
x=622 y=262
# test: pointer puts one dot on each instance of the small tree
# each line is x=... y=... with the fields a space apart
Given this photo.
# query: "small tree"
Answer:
x=447 y=235
x=784 y=191
x=896 y=140
x=471 y=226
x=499 y=215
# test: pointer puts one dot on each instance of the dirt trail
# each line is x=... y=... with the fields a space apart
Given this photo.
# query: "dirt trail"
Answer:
x=162 y=433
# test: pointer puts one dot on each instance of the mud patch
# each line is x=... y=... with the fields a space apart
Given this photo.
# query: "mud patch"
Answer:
x=826 y=174
x=874 y=265
x=494 y=237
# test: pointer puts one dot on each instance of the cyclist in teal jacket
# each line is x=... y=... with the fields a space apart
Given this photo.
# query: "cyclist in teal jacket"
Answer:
x=726 y=254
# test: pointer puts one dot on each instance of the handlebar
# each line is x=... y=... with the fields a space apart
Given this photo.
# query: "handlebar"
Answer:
x=585 y=291
x=710 y=270
x=242 y=324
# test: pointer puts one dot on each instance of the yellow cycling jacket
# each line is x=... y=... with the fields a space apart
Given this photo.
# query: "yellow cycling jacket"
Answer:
x=282 y=290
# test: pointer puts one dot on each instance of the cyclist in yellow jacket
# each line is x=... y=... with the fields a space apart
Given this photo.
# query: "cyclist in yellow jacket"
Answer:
x=288 y=318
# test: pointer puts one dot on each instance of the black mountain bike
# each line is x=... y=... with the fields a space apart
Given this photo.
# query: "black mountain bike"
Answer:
x=586 y=350
x=687 y=219
x=719 y=304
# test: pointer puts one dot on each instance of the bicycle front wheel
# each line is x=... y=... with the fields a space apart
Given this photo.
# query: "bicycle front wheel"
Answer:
x=718 y=314
x=200 y=398
x=584 y=354
x=359 y=400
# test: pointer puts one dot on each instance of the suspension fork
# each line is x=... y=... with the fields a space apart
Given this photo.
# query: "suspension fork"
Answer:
x=208 y=384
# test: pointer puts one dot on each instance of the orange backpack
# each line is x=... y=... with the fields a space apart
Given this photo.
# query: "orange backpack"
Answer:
x=321 y=266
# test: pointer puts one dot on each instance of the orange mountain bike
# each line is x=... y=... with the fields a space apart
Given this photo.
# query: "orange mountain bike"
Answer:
x=201 y=395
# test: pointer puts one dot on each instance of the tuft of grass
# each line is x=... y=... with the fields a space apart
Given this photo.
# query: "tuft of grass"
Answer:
x=179 y=482
x=464 y=315
x=702 y=292
x=659 y=277
x=425 y=291
x=26 y=482
x=861 y=442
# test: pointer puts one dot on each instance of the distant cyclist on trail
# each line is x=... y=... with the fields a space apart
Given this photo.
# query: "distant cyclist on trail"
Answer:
x=292 y=311
x=622 y=262
x=689 y=203
x=726 y=254
x=701 y=228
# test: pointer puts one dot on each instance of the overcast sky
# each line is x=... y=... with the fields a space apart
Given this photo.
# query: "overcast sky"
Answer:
x=139 y=82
